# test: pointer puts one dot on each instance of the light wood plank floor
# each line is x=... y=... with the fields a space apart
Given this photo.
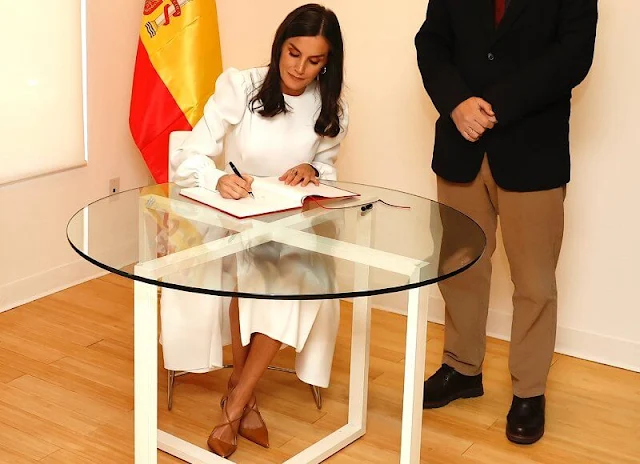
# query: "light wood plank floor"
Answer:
x=66 y=396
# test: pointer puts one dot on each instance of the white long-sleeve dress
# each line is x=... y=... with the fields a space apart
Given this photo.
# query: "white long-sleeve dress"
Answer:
x=196 y=326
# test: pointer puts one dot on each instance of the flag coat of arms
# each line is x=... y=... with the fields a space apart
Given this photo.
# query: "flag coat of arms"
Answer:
x=177 y=63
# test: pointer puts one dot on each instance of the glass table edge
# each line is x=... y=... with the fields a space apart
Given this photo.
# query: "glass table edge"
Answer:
x=256 y=296
x=226 y=293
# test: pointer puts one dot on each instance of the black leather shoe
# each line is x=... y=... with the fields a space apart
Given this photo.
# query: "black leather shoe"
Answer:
x=525 y=421
x=447 y=385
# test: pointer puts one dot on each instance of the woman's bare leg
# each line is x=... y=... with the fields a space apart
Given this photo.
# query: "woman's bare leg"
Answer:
x=240 y=352
x=262 y=351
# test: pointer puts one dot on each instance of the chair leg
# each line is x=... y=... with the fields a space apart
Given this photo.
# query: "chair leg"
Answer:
x=317 y=396
x=315 y=391
x=171 y=377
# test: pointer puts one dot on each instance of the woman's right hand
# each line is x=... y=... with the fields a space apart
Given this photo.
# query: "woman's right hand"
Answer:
x=233 y=187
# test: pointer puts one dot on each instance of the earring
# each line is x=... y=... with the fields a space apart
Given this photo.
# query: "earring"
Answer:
x=323 y=70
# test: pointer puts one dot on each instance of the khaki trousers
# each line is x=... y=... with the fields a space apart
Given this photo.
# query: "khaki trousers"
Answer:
x=532 y=224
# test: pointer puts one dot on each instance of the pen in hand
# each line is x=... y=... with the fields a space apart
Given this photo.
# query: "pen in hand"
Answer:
x=237 y=173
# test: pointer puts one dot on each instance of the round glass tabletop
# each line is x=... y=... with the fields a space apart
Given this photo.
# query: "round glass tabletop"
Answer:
x=382 y=241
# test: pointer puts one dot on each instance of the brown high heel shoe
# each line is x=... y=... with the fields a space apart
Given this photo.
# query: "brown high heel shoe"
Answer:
x=220 y=447
x=252 y=425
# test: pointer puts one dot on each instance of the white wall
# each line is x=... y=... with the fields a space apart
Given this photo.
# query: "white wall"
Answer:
x=36 y=258
x=391 y=138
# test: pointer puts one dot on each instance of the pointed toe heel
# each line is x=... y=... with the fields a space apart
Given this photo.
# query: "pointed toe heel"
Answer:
x=219 y=446
x=252 y=426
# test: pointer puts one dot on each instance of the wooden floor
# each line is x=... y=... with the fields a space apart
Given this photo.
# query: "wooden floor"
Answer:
x=66 y=396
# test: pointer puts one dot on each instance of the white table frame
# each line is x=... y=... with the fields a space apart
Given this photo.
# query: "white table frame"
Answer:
x=289 y=230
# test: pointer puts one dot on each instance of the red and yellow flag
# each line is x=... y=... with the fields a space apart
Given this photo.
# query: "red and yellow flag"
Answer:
x=177 y=64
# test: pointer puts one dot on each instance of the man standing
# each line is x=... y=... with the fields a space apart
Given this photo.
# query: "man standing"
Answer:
x=500 y=73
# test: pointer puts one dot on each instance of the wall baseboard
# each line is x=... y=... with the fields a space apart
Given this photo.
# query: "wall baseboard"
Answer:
x=61 y=277
x=600 y=348
x=45 y=283
x=603 y=349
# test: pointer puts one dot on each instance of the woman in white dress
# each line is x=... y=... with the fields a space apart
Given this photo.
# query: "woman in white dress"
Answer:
x=283 y=120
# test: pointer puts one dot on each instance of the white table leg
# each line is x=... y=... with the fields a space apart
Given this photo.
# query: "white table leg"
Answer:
x=361 y=331
x=413 y=379
x=145 y=327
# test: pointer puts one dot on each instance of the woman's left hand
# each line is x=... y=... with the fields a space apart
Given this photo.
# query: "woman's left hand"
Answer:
x=302 y=174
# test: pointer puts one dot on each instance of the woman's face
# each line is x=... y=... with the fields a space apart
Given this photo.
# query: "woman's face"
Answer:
x=301 y=61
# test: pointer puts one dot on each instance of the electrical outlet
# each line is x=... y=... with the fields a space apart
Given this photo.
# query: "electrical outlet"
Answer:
x=114 y=185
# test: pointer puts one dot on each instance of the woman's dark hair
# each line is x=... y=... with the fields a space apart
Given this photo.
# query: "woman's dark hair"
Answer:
x=307 y=21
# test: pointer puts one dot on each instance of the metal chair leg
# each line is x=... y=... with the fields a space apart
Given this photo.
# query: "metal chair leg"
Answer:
x=317 y=396
x=171 y=377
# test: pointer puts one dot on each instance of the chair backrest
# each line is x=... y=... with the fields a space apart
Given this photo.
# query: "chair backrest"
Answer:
x=175 y=140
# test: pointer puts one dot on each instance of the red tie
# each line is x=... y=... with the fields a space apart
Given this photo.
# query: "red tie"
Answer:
x=500 y=8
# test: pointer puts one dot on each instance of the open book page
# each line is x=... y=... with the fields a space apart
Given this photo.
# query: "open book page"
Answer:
x=265 y=201
x=300 y=193
x=269 y=195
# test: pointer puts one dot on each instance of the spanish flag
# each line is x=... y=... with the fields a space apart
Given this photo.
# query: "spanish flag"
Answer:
x=177 y=64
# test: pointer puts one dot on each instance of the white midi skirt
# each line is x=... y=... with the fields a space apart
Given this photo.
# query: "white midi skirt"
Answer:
x=195 y=327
